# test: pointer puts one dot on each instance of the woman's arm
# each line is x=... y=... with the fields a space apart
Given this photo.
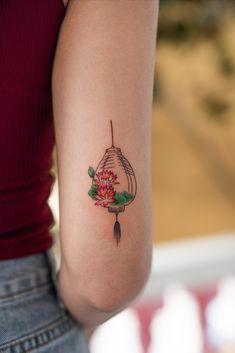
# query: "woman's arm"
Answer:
x=103 y=70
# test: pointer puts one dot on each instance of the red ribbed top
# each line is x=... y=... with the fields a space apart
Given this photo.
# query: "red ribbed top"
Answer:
x=28 y=36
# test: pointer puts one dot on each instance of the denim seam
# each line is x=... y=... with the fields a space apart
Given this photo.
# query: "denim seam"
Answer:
x=40 y=337
x=15 y=301
x=24 y=292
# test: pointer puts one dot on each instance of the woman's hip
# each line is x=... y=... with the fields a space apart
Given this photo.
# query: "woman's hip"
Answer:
x=32 y=317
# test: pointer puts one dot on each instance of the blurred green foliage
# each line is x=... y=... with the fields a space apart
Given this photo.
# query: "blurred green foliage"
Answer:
x=187 y=22
x=225 y=61
x=182 y=20
x=216 y=108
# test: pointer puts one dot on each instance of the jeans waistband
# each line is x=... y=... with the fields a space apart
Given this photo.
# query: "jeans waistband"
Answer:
x=24 y=274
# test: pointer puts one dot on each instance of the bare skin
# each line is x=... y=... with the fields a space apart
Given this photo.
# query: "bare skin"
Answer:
x=65 y=2
x=103 y=69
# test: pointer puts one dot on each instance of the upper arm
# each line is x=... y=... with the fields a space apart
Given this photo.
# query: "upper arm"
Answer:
x=103 y=70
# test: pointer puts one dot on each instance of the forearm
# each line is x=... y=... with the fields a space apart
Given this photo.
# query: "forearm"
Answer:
x=103 y=70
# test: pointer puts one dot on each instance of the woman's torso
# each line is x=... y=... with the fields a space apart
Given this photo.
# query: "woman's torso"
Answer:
x=32 y=317
x=29 y=32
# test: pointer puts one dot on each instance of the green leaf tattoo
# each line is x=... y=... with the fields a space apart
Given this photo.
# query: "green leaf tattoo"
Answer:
x=128 y=196
x=122 y=198
x=92 y=191
x=91 y=172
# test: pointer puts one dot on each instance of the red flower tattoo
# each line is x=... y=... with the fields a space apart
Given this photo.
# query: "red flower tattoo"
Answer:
x=105 y=177
x=105 y=195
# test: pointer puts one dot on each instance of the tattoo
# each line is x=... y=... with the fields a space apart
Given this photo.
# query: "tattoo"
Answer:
x=113 y=183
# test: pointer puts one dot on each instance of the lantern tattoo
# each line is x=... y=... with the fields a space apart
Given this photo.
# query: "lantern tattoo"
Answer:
x=113 y=183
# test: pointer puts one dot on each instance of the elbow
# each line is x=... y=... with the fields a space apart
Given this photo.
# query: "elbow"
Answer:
x=119 y=300
x=121 y=292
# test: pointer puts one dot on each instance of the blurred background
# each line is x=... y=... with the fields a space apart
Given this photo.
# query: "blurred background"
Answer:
x=188 y=305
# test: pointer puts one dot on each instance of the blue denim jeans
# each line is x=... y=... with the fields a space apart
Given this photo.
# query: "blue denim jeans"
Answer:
x=32 y=316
